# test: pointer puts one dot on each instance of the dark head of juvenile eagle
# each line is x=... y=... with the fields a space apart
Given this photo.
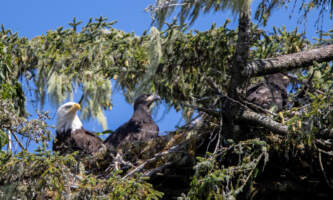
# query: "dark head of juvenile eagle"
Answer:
x=141 y=126
x=71 y=136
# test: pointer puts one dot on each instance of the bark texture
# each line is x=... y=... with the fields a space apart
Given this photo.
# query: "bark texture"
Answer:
x=264 y=121
x=288 y=62
x=231 y=110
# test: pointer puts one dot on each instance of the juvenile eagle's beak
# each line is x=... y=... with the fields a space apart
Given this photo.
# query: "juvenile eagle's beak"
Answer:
x=153 y=97
x=285 y=78
x=76 y=107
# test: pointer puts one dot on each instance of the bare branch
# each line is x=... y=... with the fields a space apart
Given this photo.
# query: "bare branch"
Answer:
x=141 y=167
x=288 y=62
x=205 y=110
x=10 y=142
x=173 y=149
x=158 y=169
x=18 y=141
x=250 y=175
x=265 y=121
x=329 y=184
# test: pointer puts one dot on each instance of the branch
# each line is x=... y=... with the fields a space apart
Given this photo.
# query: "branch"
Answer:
x=173 y=149
x=18 y=141
x=10 y=148
x=245 y=103
x=329 y=184
x=264 y=121
x=254 y=117
x=141 y=167
x=202 y=109
x=158 y=169
x=250 y=175
x=288 y=62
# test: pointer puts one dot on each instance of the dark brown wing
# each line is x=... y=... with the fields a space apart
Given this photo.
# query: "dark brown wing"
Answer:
x=86 y=141
x=267 y=95
x=259 y=94
x=132 y=131
x=79 y=140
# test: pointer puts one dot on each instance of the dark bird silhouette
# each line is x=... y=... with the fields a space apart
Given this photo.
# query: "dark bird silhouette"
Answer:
x=270 y=93
x=141 y=126
x=71 y=136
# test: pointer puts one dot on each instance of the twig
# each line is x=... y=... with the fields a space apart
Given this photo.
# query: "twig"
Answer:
x=119 y=160
x=322 y=169
x=173 y=149
x=243 y=104
x=202 y=109
x=256 y=107
x=326 y=152
x=247 y=178
x=324 y=143
x=212 y=138
x=18 y=141
x=140 y=167
x=248 y=115
x=158 y=169
x=220 y=131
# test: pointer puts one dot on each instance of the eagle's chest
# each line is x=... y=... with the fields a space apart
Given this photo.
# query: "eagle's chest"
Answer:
x=142 y=130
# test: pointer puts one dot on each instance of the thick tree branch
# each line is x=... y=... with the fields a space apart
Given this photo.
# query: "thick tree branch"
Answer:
x=264 y=121
x=250 y=116
x=288 y=62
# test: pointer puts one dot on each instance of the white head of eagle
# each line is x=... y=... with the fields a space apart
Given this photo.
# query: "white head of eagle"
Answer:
x=67 y=118
x=71 y=136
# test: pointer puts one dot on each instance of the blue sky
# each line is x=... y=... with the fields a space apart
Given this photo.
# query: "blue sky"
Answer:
x=36 y=17
x=33 y=18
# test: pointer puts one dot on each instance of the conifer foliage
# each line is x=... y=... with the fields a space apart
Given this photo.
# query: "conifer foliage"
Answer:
x=230 y=148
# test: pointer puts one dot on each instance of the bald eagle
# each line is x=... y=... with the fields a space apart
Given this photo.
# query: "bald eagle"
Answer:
x=270 y=93
x=71 y=136
x=141 y=126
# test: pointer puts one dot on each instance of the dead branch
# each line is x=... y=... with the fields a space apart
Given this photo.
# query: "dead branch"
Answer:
x=18 y=141
x=158 y=169
x=10 y=148
x=173 y=149
x=140 y=167
x=264 y=121
x=323 y=170
x=288 y=62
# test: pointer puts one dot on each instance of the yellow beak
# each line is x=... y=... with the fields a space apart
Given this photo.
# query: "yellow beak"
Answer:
x=76 y=106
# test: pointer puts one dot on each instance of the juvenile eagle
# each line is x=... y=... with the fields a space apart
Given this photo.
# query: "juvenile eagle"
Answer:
x=141 y=126
x=270 y=93
x=71 y=136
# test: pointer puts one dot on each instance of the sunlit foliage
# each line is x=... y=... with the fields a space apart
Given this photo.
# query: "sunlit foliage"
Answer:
x=189 y=10
x=179 y=65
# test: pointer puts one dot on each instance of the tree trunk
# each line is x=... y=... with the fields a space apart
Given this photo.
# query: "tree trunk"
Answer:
x=231 y=110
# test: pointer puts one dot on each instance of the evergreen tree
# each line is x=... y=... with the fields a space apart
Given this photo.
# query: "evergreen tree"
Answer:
x=233 y=149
